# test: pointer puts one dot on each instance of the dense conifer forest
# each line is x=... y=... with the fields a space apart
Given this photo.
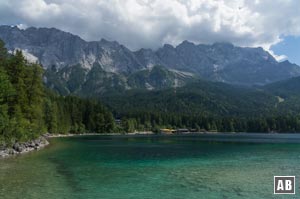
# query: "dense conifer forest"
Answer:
x=28 y=109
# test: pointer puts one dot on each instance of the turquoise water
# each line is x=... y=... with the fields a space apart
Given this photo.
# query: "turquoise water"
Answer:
x=150 y=167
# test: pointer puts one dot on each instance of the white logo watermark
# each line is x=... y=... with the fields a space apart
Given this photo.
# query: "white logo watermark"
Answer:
x=284 y=184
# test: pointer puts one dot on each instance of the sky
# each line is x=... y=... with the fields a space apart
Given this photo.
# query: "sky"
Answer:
x=289 y=47
x=271 y=24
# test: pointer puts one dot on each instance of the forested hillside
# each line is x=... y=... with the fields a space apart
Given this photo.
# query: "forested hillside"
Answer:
x=288 y=91
x=208 y=106
x=199 y=97
x=28 y=110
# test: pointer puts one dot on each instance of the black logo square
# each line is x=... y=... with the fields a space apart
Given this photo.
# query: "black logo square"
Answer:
x=284 y=184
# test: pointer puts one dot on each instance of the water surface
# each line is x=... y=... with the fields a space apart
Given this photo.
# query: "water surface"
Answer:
x=142 y=167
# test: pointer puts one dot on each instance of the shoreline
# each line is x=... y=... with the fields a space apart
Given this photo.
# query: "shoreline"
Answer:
x=24 y=147
x=42 y=141
x=162 y=134
x=100 y=134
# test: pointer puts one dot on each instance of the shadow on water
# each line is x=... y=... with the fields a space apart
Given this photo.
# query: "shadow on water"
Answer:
x=65 y=171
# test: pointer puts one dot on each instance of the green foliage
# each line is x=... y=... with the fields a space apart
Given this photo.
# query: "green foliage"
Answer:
x=3 y=51
x=209 y=106
x=211 y=99
x=129 y=125
x=28 y=110
x=71 y=114
x=6 y=91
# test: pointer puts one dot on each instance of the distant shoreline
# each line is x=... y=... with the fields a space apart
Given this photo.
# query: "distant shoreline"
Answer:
x=148 y=133
x=41 y=142
x=87 y=134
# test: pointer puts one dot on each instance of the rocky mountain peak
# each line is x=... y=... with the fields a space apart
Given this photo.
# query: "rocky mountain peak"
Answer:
x=220 y=61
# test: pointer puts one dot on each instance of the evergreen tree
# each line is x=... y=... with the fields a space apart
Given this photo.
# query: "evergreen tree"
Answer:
x=3 y=52
x=6 y=91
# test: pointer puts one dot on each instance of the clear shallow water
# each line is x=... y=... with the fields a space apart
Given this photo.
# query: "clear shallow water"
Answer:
x=189 y=167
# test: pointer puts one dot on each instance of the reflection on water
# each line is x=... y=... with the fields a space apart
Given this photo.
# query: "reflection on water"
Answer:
x=206 y=166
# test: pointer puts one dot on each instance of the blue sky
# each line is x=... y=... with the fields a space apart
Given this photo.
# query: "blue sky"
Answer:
x=290 y=46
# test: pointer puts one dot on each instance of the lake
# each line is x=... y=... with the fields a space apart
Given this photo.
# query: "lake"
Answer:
x=153 y=167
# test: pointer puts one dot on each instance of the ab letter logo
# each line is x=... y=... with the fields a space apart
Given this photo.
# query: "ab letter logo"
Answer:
x=284 y=184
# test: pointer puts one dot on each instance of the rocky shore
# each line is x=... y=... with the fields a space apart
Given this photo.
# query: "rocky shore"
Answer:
x=20 y=148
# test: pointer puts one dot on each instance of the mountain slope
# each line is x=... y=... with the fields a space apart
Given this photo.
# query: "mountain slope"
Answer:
x=227 y=63
x=201 y=97
x=288 y=92
x=97 y=81
x=286 y=88
x=158 y=77
x=53 y=47
x=218 y=62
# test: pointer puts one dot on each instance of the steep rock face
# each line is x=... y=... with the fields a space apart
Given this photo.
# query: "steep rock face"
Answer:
x=148 y=58
x=158 y=77
x=56 y=48
x=114 y=57
x=50 y=46
x=224 y=62
x=97 y=82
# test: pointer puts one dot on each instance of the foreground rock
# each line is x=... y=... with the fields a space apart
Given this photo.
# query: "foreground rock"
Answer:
x=19 y=148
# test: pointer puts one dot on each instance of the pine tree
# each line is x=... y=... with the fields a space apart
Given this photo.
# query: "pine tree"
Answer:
x=6 y=91
x=3 y=52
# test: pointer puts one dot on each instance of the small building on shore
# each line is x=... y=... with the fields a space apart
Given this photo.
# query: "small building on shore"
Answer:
x=167 y=131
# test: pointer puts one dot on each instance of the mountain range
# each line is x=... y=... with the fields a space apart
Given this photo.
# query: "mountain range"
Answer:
x=75 y=66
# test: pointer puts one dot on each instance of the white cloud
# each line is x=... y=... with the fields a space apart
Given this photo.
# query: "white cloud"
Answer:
x=279 y=58
x=150 y=23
